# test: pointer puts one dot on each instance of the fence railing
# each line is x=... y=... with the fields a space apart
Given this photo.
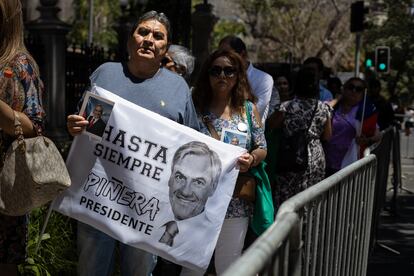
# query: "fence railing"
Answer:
x=324 y=230
x=388 y=147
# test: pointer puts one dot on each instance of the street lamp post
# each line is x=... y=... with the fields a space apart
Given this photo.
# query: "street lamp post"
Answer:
x=90 y=31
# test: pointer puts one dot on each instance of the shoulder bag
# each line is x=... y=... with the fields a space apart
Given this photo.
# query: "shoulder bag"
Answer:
x=33 y=173
x=294 y=149
x=264 y=212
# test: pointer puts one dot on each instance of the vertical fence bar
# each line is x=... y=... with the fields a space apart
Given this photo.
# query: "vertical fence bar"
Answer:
x=366 y=193
x=295 y=255
x=334 y=199
x=342 y=227
x=325 y=228
x=276 y=266
x=339 y=228
x=346 y=228
x=351 y=237
x=315 y=239
x=308 y=213
x=354 y=209
x=285 y=267
x=370 y=214
x=359 y=210
x=364 y=206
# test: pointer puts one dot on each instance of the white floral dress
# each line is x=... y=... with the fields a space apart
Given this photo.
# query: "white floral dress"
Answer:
x=297 y=114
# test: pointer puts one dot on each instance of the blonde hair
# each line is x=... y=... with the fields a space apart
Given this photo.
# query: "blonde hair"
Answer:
x=11 y=32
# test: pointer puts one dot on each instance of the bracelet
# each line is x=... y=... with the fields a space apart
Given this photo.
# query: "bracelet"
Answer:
x=254 y=160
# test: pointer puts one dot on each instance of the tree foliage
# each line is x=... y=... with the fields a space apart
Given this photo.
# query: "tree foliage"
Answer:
x=226 y=27
x=106 y=13
x=396 y=33
x=301 y=27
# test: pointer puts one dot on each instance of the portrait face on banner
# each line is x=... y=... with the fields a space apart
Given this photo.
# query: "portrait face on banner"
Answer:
x=193 y=179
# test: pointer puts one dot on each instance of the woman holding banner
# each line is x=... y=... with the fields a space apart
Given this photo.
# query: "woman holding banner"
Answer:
x=221 y=96
x=354 y=126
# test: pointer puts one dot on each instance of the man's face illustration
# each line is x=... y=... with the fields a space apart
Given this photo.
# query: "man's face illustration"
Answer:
x=190 y=185
x=97 y=112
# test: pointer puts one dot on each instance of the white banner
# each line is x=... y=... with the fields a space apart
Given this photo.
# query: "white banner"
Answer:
x=151 y=183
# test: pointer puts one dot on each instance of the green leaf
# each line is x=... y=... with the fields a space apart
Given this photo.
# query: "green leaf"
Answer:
x=45 y=236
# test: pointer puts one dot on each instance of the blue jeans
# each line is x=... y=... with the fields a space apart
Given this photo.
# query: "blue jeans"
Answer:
x=96 y=255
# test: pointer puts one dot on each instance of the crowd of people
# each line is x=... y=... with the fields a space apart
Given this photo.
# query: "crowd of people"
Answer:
x=338 y=124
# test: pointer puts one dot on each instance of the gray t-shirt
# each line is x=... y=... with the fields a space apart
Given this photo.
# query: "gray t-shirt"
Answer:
x=166 y=93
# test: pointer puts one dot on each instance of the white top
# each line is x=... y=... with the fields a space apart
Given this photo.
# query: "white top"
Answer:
x=274 y=103
x=262 y=85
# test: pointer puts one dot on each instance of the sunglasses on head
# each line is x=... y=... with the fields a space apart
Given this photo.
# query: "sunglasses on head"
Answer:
x=228 y=71
x=356 y=88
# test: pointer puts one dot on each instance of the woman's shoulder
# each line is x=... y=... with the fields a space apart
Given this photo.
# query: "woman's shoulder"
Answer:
x=23 y=63
x=250 y=104
x=284 y=106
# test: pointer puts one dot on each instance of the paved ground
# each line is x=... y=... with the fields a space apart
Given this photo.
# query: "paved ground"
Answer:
x=393 y=253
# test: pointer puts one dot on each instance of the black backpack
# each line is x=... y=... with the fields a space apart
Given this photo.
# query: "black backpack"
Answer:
x=293 y=149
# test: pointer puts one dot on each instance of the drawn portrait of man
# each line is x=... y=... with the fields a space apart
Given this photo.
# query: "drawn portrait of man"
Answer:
x=195 y=173
x=96 y=124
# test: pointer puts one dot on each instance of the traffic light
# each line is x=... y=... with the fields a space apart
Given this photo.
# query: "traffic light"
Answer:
x=369 y=59
x=382 y=59
x=358 y=12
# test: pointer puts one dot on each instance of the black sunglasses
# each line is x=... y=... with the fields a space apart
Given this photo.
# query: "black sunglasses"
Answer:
x=228 y=71
x=357 y=88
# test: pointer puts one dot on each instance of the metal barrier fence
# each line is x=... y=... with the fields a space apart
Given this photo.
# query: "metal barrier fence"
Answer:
x=382 y=151
x=407 y=137
x=396 y=164
x=407 y=142
x=324 y=230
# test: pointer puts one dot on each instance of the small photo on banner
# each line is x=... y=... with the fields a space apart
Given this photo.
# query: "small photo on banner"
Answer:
x=97 y=111
x=234 y=137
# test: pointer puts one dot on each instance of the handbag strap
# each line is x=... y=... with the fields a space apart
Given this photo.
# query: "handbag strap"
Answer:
x=18 y=130
x=249 y=120
x=311 y=120
x=211 y=128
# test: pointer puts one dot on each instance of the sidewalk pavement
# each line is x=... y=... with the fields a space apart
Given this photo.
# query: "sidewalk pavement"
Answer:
x=393 y=253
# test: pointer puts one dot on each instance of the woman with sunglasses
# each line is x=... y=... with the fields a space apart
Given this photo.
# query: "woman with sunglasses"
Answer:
x=342 y=148
x=219 y=97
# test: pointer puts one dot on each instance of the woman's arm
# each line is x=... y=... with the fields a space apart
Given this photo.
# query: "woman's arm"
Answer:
x=258 y=153
x=327 y=131
x=275 y=120
x=365 y=140
x=252 y=159
x=7 y=121
x=25 y=81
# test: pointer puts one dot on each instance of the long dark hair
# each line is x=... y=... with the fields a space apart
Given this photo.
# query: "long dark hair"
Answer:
x=203 y=94
x=306 y=84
